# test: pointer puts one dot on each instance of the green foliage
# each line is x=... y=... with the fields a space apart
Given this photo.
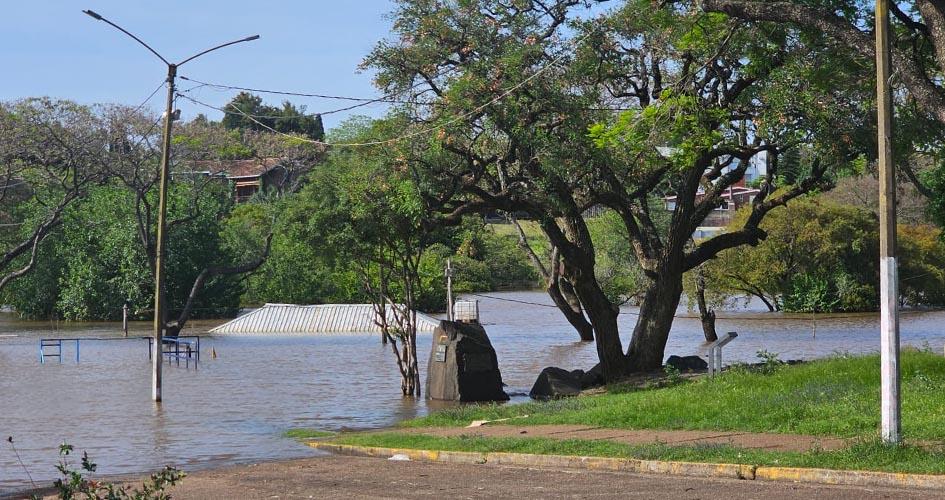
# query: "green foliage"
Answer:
x=617 y=269
x=921 y=265
x=75 y=483
x=96 y=261
x=769 y=361
x=288 y=119
x=934 y=179
x=811 y=293
x=818 y=257
x=317 y=229
x=673 y=375
x=821 y=256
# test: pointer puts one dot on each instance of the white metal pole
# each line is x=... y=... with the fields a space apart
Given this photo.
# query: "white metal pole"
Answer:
x=449 y=289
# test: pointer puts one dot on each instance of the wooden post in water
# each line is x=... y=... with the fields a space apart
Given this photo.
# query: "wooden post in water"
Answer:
x=124 y=318
x=449 y=289
x=891 y=427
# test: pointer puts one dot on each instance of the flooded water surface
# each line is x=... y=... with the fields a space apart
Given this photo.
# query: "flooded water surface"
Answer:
x=235 y=408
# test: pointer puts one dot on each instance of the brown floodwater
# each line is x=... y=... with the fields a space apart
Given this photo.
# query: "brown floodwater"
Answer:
x=235 y=408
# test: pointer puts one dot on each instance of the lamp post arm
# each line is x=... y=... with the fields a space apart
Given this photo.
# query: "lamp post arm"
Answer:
x=191 y=58
x=99 y=17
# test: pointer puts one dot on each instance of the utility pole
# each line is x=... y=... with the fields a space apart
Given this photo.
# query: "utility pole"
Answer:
x=891 y=427
x=160 y=250
x=160 y=315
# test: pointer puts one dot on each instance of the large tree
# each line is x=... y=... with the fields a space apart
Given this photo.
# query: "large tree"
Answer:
x=51 y=154
x=918 y=59
x=525 y=100
x=135 y=166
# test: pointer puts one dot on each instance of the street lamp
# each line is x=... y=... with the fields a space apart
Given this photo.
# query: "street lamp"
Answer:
x=159 y=305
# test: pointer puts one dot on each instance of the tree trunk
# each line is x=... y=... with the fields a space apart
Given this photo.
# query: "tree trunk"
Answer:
x=173 y=329
x=706 y=315
x=562 y=294
x=648 y=343
x=769 y=304
x=603 y=315
x=560 y=290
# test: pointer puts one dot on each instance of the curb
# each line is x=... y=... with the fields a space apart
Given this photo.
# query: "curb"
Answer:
x=689 y=469
x=730 y=471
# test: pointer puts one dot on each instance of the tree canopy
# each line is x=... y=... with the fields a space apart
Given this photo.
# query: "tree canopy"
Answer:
x=247 y=111
x=543 y=113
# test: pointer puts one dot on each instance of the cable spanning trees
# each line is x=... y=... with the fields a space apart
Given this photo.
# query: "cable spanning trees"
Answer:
x=646 y=100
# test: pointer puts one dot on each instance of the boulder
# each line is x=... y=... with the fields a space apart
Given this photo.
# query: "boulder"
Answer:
x=593 y=377
x=554 y=383
x=687 y=363
x=463 y=365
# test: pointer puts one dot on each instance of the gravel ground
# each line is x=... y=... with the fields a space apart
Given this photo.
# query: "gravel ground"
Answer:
x=358 y=477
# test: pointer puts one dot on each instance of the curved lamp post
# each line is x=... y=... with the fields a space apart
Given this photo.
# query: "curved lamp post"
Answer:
x=159 y=303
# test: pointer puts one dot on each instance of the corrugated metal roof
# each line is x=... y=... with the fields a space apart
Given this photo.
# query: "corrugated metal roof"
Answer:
x=326 y=318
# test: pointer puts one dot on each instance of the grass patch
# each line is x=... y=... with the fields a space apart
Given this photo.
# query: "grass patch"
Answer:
x=307 y=434
x=838 y=396
x=867 y=455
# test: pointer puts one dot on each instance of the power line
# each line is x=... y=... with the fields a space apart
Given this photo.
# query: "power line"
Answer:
x=631 y=313
x=151 y=96
x=275 y=117
x=422 y=131
x=367 y=100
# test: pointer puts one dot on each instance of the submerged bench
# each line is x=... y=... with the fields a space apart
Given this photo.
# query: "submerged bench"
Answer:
x=178 y=348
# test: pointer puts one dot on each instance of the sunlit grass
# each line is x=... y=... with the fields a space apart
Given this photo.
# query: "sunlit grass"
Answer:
x=838 y=397
x=867 y=455
x=307 y=434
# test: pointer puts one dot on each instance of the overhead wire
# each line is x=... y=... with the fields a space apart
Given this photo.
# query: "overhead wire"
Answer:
x=632 y=313
x=416 y=133
x=151 y=96
x=387 y=98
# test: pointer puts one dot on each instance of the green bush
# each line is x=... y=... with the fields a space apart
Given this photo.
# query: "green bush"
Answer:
x=96 y=261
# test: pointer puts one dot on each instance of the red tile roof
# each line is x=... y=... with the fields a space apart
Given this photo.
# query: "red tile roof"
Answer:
x=235 y=169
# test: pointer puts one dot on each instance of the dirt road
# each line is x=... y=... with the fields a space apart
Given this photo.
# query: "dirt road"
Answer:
x=357 y=477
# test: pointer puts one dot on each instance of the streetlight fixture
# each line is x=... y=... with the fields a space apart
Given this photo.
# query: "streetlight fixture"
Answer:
x=159 y=302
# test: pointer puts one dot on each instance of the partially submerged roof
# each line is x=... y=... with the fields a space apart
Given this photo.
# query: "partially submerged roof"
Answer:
x=328 y=318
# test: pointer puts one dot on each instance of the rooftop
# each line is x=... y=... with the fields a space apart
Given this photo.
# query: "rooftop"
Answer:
x=235 y=169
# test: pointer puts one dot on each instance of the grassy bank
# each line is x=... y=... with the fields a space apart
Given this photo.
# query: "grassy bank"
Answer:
x=868 y=455
x=838 y=396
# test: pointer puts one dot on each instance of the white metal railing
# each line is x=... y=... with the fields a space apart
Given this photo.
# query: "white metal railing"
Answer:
x=715 y=353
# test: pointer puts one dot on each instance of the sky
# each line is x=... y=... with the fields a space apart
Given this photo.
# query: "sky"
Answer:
x=50 y=48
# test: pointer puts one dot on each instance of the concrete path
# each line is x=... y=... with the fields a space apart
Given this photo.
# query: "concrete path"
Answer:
x=773 y=442
x=357 y=477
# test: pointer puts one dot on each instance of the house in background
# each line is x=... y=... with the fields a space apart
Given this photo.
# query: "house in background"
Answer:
x=249 y=177
x=735 y=197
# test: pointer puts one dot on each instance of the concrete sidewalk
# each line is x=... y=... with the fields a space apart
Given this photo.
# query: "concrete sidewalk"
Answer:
x=771 y=442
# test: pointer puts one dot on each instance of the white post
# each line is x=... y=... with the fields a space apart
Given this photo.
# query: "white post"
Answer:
x=124 y=318
x=449 y=289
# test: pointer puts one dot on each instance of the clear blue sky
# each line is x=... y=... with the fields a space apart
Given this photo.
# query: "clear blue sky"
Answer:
x=49 y=48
